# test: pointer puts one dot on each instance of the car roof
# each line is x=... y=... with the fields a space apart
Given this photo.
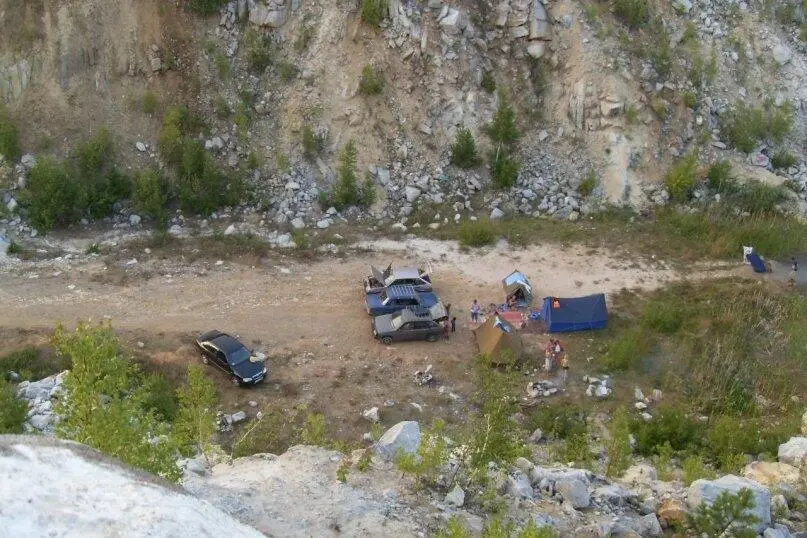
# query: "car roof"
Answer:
x=401 y=291
x=406 y=272
x=415 y=314
x=227 y=343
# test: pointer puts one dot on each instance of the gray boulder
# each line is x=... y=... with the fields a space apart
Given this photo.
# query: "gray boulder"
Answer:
x=403 y=436
x=412 y=194
x=518 y=485
x=574 y=492
x=456 y=496
x=706 y=491
x=648 y=526
x=794 y=452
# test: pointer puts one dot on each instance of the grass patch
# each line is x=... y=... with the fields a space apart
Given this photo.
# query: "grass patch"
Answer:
x=488 y=82
x=13 y=410
x=149 y=103
x=226 y=247
x=589 y=183
x=259 y=51
x=32 y=364
x=783 y=159
x=205 y=7
x=476 y=233
x=373 y=11
x=680 y=180
x=632 y=12
x=9 y=136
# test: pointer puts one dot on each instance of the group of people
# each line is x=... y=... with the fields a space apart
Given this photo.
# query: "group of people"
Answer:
x=555 y=355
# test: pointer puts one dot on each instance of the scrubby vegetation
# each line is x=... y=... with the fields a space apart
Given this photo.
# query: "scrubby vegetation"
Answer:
x=745 y=126
x=373 y=11
x=681 y=178
x=372 y=80
x=205 y=7
x=31 y=364
x=150 y=196
x=476 y=234
x=13 y=411
x=632 y=12
x=9 y=137
x=488 y=82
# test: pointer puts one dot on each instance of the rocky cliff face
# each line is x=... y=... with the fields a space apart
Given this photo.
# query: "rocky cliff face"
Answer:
x=50 y=487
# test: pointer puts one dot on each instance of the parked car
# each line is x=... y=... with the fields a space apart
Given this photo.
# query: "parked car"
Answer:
x=396 y=298
x=232 y=357
x=404 y=276
x=407 y=324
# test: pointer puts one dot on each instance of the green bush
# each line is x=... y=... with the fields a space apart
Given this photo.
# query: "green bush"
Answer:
x=13 y=410
x=150 y=197
x=14 y=248
x=669 y=425
x=745 y=126
x=372 y=81
x=476 y=234
x=632 y=12
x=31 y=364
x=195 y=423
x=259 y=51
x=100 y=182
x=756 y=197
x=311 y=145
x=122 y=427
x=463 y=151
x=160 y=397
x=287 y=71
x=488 y=82
x=149 y=103
x=588 y=184
x=53 y=197
x=222 y=65
x=201 y=187
x=631 y=114
x=368 y=193
x=205 y=7
x=627 y=350
x=373 y=11
x=783 y=159
x=681 y=178
x=177 y=123
x=695 y=469
x=719 y=176
x=558 y=421
x=9 y=137
x=503 y=169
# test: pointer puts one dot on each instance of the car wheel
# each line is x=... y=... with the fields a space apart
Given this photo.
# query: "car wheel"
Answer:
x=386 y=340
x=431 y=338
x=205 y=360
x=234 y=380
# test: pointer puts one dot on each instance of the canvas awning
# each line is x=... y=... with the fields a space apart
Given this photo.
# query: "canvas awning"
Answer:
x=500 y=346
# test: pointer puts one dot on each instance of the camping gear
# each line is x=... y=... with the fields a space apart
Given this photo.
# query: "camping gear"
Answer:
x=499 y=341
x=756 y=262
x=514 y=318
x=746 y=252
x=575 y=313
x=518 y=285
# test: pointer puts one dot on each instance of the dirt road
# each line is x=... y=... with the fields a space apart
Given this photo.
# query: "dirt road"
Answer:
x=308 y=317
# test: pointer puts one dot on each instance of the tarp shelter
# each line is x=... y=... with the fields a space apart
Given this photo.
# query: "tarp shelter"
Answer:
x=563 y=315
x=516 y=283
x=499 y=341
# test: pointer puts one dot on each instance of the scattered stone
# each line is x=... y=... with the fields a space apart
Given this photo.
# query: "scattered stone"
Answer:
x=371 y=414
x=771 y=474
x=134 y=219
x=230 y=230
x=403 y=436
x=794 y=451
x=141 y=147
x=574 y=492
x=412 y=194
x=297 y=223
x=536 y=436
x=782 y=54
x=672 y=513
x=496 y=214
x=456 y=497
x=640 y=474
x=518 y=485
x=238 y=416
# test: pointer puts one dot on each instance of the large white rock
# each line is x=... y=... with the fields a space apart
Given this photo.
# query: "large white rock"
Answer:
x=71 y=490
x=456 y=496
x=452 y=23
x=403 y=436
x=782 y=54
x=640 y=474
x=412 y=194
x=263 y=16
x=770 y=473
x=518 y=485
x=574 y=492
x=794 y=452
x=706 y=491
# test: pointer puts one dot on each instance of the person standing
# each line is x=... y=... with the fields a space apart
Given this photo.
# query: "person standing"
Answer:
x=564 y=364
x=475 y=311
x=794 y=268
x=454 y=324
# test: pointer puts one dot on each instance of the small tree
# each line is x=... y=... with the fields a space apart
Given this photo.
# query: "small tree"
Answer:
x=503 y=128
x=463 y=151
x=310 y=143
x=345 y=191
x=728 y=516
x=372 y=81
x=53 y=196
x=503 y=169
x=682 y=176
x=103 y=406
x=195 y=423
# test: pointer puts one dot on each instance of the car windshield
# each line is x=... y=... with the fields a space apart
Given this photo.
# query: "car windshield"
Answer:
x=238 y=356
x=396 y=321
